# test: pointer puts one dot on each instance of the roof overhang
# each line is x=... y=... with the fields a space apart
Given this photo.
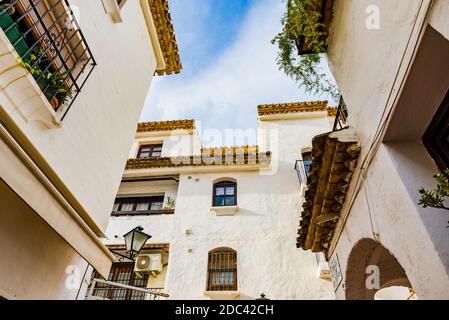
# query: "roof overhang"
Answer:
x=145 y=172
x=242 y=158
x=334 y=159
x=294 y=116
x=171 y=127
x=291 y=107
x=162 y=35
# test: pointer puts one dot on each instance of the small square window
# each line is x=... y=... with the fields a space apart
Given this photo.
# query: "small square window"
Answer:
x=225 y=194
x=150 y=150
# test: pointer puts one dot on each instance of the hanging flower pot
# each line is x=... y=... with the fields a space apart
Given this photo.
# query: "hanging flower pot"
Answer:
x=54 y=103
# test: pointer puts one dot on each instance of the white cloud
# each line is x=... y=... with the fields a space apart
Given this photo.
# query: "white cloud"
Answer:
x=226 y=94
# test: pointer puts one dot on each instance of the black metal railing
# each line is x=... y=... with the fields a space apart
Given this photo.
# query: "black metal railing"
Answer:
x=341 y=116
x=303 y=168
x=100 y=289
x=51 y=46
x=143 y=212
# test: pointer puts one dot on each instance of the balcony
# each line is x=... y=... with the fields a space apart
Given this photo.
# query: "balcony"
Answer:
x=100 y=289
x=143 y=206
x=341 y=116
x=302 y=168
x=50 y=47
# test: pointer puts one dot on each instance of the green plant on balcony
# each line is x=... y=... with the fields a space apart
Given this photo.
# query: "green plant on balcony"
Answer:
x=302 y=32
x=169 y=204
x=52 y=83
x=35 y=61
x=435 y=198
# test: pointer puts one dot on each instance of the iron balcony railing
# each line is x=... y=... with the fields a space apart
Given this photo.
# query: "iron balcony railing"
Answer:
x=107 y=290
x=51 y=46
x=302 y=168
x=341 y=116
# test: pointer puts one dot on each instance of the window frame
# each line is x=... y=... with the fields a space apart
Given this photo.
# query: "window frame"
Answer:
x=435 y=139
x=224 y=184
x=231 y=267
x=122 y=272
x=307 y=162
x=135 y=201
x=151 y=151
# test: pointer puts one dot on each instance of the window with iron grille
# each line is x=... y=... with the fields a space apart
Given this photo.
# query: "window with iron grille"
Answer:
x=51 y=46
x=122 y=272
x=222 y=270
x=138 y=206
x=150 y=150
x=225 y=194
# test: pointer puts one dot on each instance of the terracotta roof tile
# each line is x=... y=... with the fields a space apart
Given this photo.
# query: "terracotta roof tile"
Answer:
x=335 y=156
x=293 y=107
x=166 y=125
x=229 y=156
x=166 y=35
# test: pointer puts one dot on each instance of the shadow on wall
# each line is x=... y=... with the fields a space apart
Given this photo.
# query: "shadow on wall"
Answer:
x=371 y=268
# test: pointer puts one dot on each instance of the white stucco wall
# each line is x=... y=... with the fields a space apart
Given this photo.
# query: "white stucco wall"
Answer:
x=71 y=172
x=36 y=262
x=366 y=62
x=386 y=211
x=174 y=143
x=370 y=67
x=88 y=152
x=263 y=231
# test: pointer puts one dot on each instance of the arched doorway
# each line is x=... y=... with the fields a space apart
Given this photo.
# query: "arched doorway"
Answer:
x=372 y=269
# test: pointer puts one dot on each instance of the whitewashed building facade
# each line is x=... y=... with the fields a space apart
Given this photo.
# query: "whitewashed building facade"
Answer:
x=74 y=76
x=223 y=221
x=390 y=60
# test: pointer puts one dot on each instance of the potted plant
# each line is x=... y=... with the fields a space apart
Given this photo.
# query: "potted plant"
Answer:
x=52 y=84
x=301 y=43
x=169 y=204
x=13 y=33
x=35 y=61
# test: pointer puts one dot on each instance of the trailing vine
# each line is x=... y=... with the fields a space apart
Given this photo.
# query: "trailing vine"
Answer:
x=302 y=29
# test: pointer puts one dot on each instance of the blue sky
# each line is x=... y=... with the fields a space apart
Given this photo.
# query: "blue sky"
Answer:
x=205 y=28
x=229 y=66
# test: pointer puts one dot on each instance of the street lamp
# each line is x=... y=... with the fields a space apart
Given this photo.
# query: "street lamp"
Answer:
x=134 y=242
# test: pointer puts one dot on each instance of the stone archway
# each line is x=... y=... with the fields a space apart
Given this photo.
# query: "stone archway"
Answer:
x=365 y=253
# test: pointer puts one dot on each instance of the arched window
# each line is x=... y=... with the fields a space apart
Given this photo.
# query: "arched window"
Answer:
x=222 y=270
x=225 y=194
